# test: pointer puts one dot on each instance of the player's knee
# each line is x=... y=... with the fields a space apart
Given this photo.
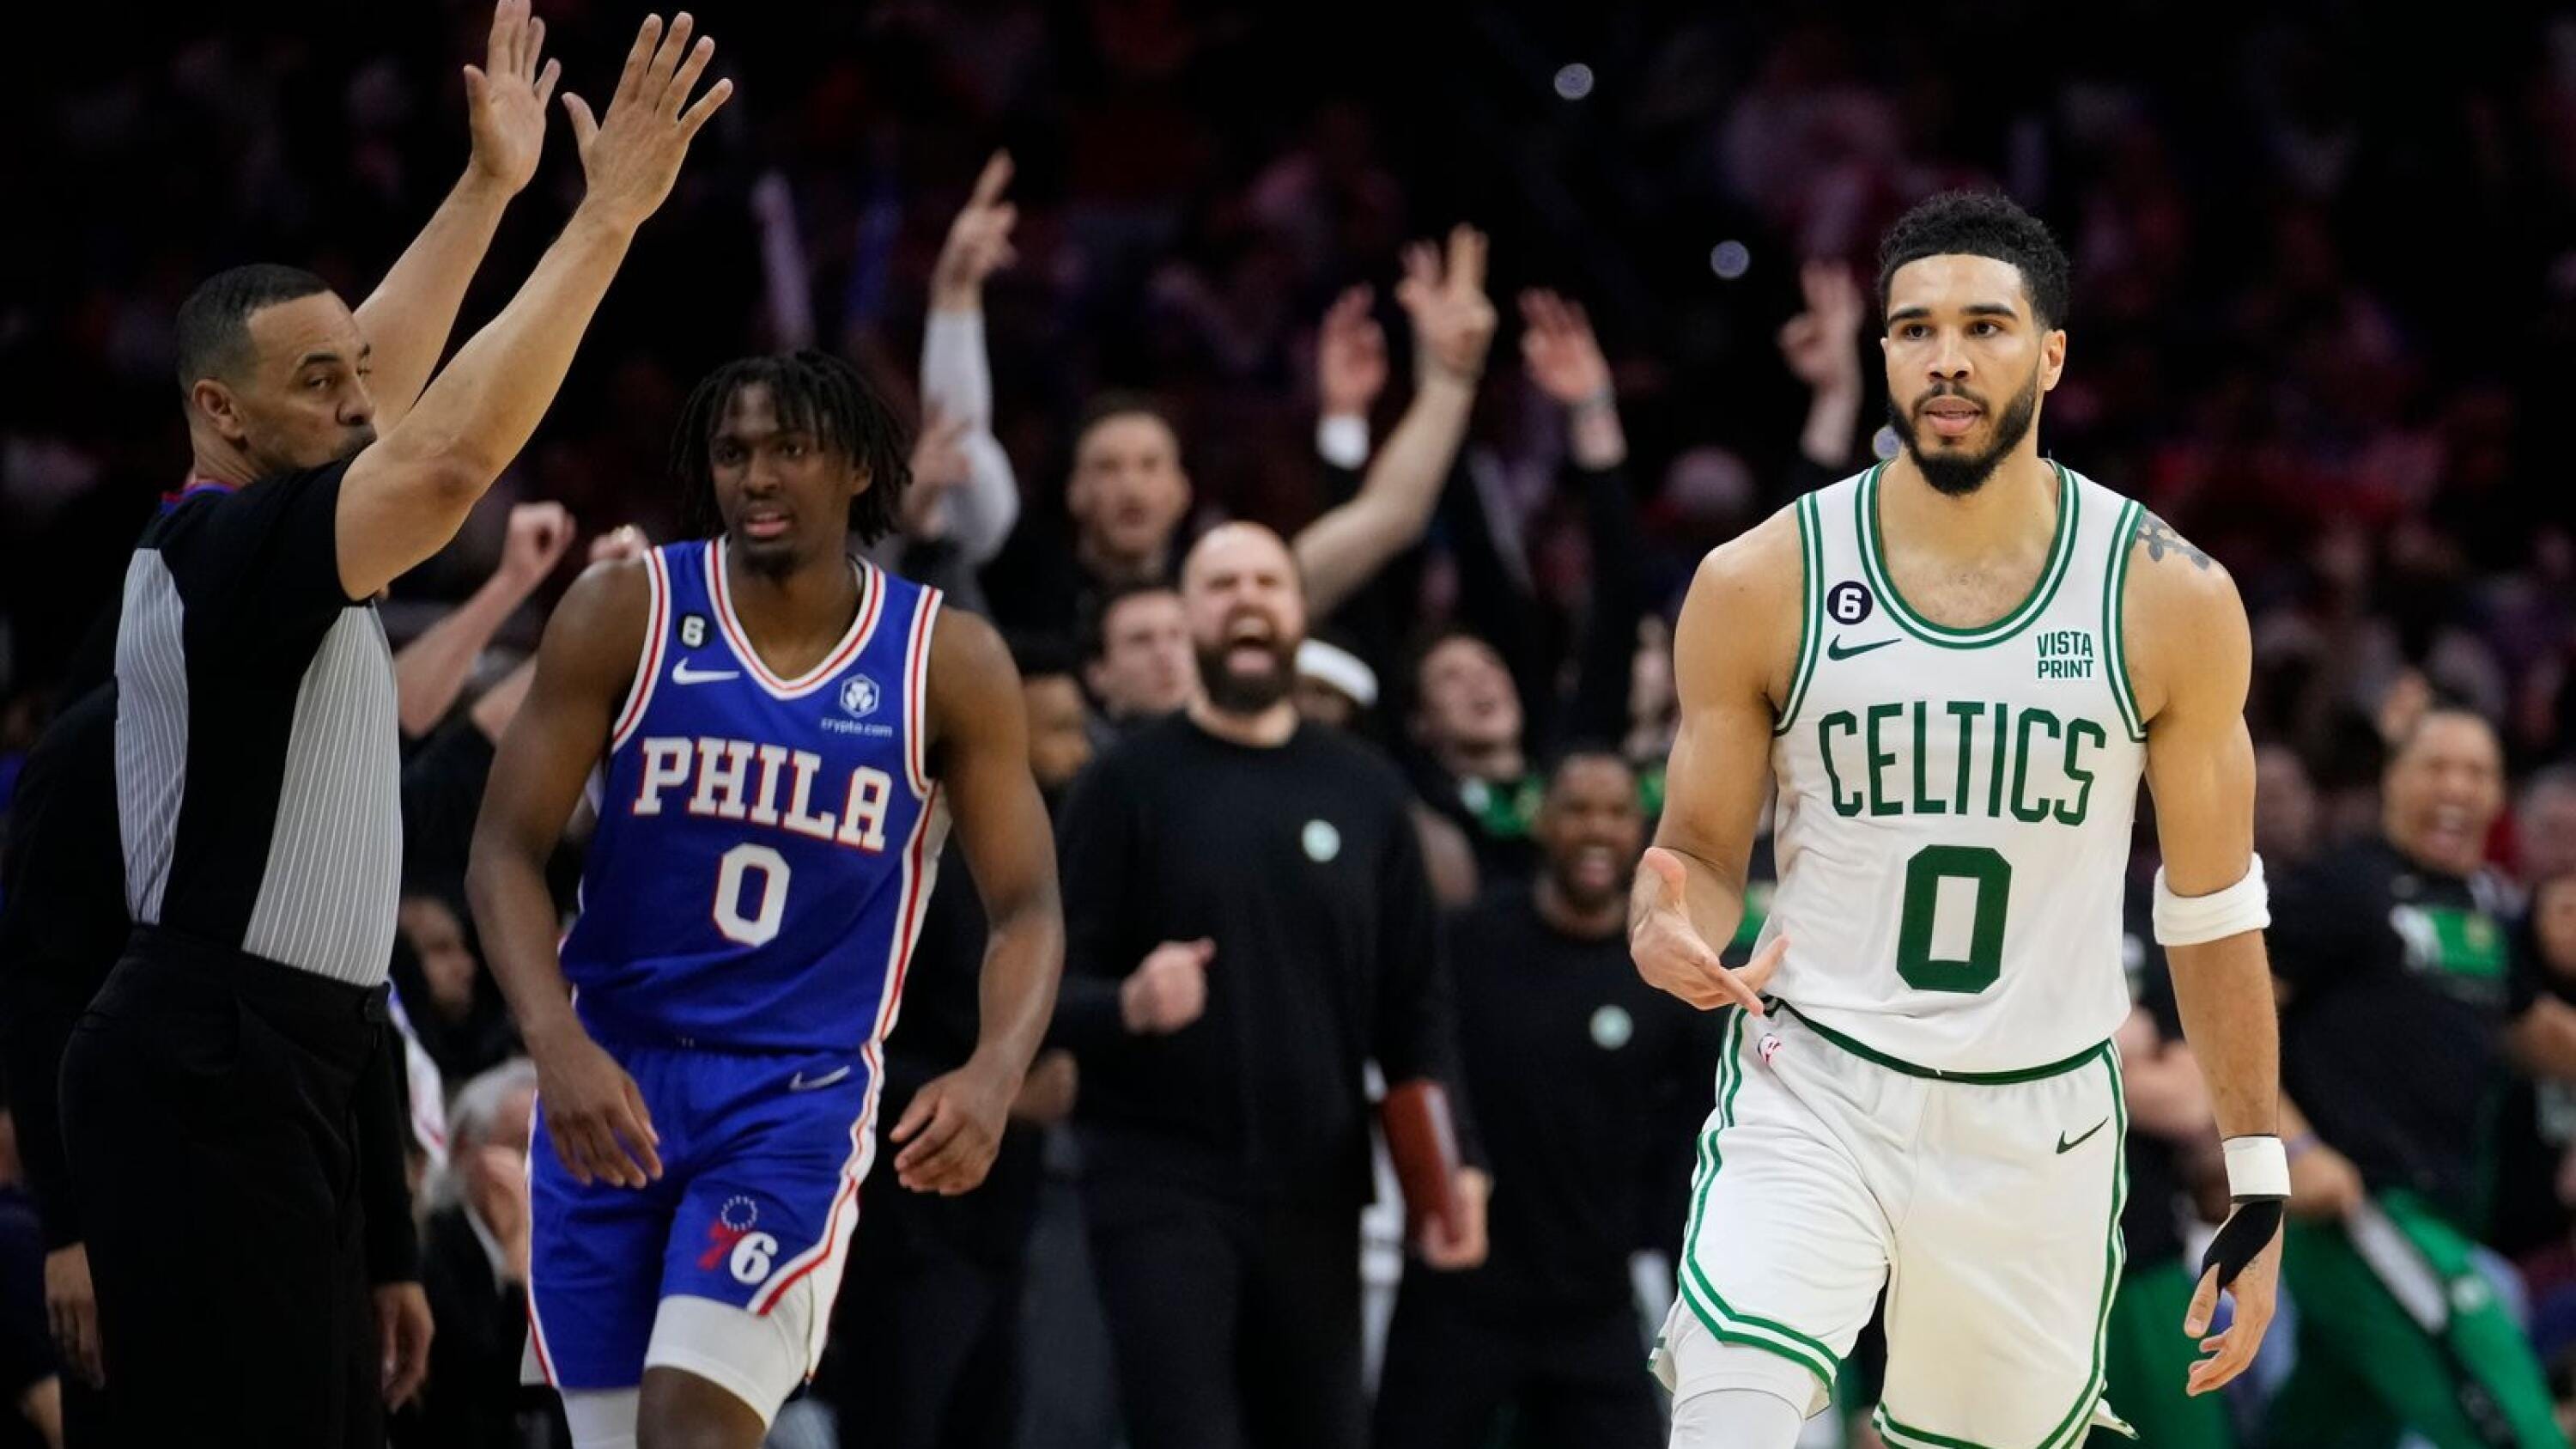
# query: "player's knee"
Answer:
x=1735 y=1419
x=680 y=1410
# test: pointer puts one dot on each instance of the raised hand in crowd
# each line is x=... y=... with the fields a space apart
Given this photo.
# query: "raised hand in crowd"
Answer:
x=1444 y=296
x=1565 y=361
x=1350 y=356
x=619 y=544
x=979 y=241
x=1822 y=347
x=939 y=465
x=431 y=670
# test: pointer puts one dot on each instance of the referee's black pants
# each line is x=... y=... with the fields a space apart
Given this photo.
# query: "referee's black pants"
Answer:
x=1235 y=1325
x=208 y=1110
x=1458 y=1356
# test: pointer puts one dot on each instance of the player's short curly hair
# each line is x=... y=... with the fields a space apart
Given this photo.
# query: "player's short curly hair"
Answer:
x=816 y=393
x=1980 y=224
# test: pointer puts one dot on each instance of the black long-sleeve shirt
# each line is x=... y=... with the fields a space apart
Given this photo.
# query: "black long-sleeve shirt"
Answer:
x=1301 y=864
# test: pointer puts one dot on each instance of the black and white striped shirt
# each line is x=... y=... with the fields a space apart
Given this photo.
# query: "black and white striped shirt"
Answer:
x=257 y=751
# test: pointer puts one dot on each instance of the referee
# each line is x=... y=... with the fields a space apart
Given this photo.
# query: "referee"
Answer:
x=233 y=1084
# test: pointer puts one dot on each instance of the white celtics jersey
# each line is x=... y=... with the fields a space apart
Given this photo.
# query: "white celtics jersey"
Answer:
x=1955 y=805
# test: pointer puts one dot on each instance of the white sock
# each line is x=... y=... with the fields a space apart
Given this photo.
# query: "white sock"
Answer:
x=601 y=1418
x=1732 y=1419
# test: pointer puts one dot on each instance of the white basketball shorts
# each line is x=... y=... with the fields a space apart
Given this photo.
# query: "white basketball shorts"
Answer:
x=1987 y=1206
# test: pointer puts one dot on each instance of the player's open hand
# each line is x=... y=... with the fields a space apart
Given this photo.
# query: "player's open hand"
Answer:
x=952 y=1128
x=594 y=1113
x=506 y=97
x=631 y=157
x=2257 y=1292
x=1672 y=956
x=403 y=1332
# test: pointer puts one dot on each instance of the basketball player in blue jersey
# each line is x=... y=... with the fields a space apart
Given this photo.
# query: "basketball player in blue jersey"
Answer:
x=782 y=735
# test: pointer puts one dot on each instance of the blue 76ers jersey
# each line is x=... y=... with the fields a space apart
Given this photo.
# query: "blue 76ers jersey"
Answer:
x=765 y=845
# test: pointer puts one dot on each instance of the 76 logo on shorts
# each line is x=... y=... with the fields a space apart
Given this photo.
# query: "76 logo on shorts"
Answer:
x=731 y=1233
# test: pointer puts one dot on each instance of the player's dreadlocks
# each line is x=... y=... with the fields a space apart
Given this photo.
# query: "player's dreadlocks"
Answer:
x=813 y=392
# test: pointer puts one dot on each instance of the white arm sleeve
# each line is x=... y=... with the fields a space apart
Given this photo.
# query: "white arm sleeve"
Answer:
x=957 y=383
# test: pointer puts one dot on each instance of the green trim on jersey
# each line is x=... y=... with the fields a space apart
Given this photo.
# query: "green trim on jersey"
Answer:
x=1719 y=1317
x=2115 y=602
x=1811 y=612
x=2078 y=1421
x=1869 y=1053
x=1873 y=556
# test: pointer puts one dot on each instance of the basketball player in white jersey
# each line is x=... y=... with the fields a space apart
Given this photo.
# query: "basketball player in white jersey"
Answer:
x=1954 y=669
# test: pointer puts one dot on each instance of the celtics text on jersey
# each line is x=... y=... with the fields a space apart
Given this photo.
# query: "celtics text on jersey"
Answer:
x=1954 y=806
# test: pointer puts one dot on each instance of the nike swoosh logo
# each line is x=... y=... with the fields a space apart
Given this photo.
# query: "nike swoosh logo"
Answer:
x=681 y=673
x=799 y=1084
x=2064 y=1146
x=1835 y=650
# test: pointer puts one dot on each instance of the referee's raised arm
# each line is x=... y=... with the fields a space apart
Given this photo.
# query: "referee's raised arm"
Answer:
x=406 y=496
x=227 y=1116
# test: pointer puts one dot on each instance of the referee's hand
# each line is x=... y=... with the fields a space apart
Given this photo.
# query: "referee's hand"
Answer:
x=402 y=1333
x=593 y=1113
x=73 y=1307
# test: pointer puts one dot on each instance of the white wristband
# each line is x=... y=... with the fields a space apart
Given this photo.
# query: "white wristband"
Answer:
x=2191 y=920
x=2257 y=1167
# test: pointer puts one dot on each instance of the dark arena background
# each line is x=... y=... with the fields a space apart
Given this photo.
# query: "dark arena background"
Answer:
x=2323 y=326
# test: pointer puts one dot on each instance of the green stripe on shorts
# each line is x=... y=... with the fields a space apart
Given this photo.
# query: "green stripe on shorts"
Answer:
x=1715 y=1314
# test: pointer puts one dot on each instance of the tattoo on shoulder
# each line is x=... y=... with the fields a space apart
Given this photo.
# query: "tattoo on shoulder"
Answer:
x=2161 y=541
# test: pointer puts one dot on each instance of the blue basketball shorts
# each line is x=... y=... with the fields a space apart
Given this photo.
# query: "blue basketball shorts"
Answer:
x=762 y=1157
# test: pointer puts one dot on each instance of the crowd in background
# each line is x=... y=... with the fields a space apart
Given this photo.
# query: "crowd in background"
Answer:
x=1502 y=320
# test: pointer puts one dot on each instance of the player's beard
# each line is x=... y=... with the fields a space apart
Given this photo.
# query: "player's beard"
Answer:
x=1957 y=476
x=1246 y=693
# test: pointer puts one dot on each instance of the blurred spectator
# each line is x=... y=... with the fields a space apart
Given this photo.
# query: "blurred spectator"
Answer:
x=1335 y=688
x=451 y=1002
x=1471 y=708
x=2544 y=817
x=1247 y=923
x=1136 y=657
x=2404 y=1012
x=928 y=1331
x=2286 y=825
x=474 y=1265
x=1588 y=1086
x=964 y=498
x=2172 y=1147
x=2534 y=1221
